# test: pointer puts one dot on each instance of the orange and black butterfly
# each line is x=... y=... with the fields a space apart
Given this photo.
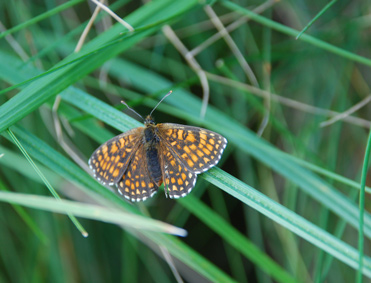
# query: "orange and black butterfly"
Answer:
x=140 y=160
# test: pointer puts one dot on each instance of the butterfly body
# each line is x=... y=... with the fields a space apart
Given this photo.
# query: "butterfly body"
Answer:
x=140 y=160
x=151 y=142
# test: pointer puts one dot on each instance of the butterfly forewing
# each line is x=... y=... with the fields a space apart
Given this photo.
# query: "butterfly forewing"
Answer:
x=136 y=184
x=111 y=159
x=198 y=149
x=178 y=180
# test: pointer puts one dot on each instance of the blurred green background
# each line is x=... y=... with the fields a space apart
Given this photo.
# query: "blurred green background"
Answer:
x=282 y=206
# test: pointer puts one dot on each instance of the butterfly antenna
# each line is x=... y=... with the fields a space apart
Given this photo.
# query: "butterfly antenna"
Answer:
x=166 y=95
x=123 y=102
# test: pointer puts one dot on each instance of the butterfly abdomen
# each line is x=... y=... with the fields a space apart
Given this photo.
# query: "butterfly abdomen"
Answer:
x=151 y=143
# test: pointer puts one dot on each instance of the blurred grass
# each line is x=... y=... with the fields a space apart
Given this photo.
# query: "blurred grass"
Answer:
x=308 y=177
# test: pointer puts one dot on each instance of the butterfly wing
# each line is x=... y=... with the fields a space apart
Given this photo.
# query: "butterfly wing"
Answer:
x=198 y=149
x=136 y=183
x=178 y=180
x=185 y=151
x=110 y=160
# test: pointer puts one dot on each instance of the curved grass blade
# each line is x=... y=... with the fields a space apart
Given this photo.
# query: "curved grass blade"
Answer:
x=244 y=140
x=320 y=13
x=46 y=182
x=55 y=161
x=362 y=207
x=89 y=211
x=40 y=17
x=289 y=31
x=46 y=87
x=288 y=219
x=186 y=105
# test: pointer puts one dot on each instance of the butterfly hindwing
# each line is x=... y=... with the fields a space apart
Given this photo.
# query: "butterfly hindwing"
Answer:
x=178 y=180
x=136 y=183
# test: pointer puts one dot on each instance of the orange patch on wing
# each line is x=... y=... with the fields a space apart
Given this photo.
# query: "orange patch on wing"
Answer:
x=180 y=134
x=122 y=142
x=207 y=152
x=193 y=147
x=209 y=147
x=104 y=149
x=114 y=148
x=116 y=173
x=190 y=163
x=200 y=153
x=203 y=136
x=194 y=157
x=191 y=138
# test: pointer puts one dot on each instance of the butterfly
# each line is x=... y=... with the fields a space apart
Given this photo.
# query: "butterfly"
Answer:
x=140 y=160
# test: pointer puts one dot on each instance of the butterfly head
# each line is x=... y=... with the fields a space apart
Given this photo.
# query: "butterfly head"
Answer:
x=149 y=121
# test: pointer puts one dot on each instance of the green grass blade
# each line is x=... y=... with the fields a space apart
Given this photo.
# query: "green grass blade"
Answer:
x=289 y=31
x=27 y=219
x=90 y=104
x=64 y=167
x=320 y=13
x=362 y=208
x=188 y=107
x=53 y=83
x=151 y=67
x=287 y=218
x=41 y=17
x=46 y=182
x=236 y=239
x=237 y=135
x=91 y=212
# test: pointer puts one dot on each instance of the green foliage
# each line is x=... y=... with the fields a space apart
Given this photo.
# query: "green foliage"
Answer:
x=279 y=207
